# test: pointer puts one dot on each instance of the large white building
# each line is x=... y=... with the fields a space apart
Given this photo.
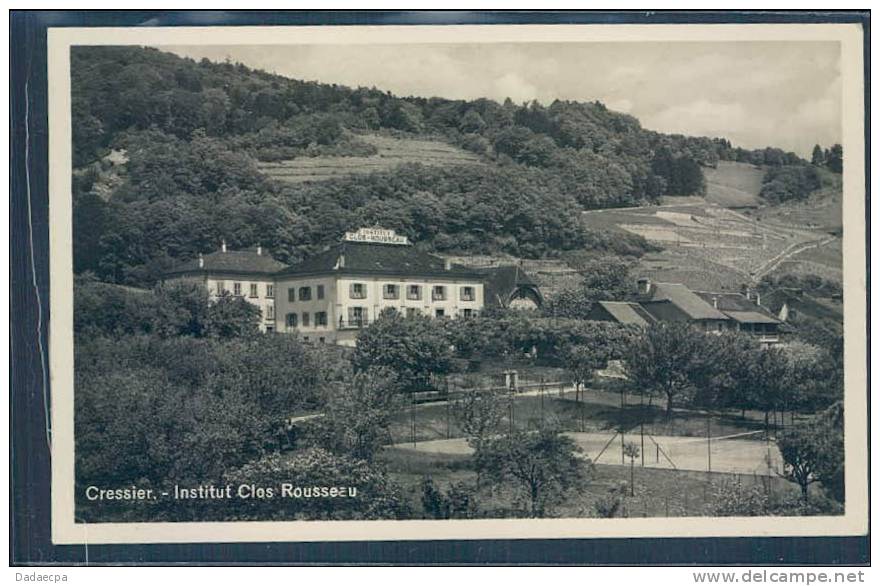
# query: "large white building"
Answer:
x=333 y=294
x=330 y=296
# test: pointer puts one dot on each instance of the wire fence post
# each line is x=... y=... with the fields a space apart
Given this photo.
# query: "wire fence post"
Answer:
x=642 y=434
x=412 y=418
x=709 y=443
x=542 y=400
x=448 y=415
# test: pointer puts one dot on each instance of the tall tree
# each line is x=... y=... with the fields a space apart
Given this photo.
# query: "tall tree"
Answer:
x=415 y=349
x=666 y=361
x=802 y=454
x=818 y=158
x=358 y=413
x=834 y=159
x=544 y=466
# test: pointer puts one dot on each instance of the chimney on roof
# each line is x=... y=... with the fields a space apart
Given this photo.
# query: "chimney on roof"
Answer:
x=340 y=262
x=259 y=250
x=757 y=298
x=223 y=245
x=748 y=292
x=644 y=285
x=201 y=261
x=447 y=264
x=715 y=302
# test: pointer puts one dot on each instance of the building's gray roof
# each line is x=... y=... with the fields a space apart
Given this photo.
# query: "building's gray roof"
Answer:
x=233 y=262
x=752 y=317
x=738 y=307
x=372 y=258
x=628 y=313
x=686 y=300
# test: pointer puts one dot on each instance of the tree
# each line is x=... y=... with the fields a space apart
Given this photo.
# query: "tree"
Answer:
x=582 y=361
x=358 y=413
x=480 y=413
x=765 y=378
x=832 y=454
x=543 y=466
x=181 y=309
x=666 y=360
x=818 y=158
x=631 y=451
x=457 y=503
x=567 y=302
x=415 y=348
x=472 y=122
x=110 y=310
x=145 y=416
x=606 y=278
x=834 y=159
x=232 y=317
x=802 y=451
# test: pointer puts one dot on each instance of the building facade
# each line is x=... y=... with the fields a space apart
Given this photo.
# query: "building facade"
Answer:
x=249 y=274
x=330 y=296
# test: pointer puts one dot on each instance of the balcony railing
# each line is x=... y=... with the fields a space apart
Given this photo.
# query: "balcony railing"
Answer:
x=353 y=324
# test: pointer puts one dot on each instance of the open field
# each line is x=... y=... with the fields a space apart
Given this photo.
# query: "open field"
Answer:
x=658 y=492
x=733 y=185
x=392 y=153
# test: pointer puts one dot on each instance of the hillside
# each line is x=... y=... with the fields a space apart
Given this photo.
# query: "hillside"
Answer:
x=171 y=156
x=706 y=246
x=733 y=185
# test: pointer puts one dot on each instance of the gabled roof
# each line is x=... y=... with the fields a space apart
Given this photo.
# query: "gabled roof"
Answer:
x=502 y=284
x=751 y=317
x=236 y=262
x=686 y=300
x=374 y=258
x=628 y=313
x=738 y=307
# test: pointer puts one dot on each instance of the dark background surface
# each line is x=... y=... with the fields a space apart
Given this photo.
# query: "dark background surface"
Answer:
x=30 y=542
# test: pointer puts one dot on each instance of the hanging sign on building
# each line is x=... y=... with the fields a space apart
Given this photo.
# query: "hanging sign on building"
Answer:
x=375 y=235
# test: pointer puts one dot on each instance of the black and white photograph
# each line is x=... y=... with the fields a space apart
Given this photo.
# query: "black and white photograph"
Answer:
x=462 y=279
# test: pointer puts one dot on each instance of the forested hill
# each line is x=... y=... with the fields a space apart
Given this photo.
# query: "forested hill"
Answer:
x=167 y=155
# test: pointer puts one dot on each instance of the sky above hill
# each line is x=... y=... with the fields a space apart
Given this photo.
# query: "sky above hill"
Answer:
x=783 y=94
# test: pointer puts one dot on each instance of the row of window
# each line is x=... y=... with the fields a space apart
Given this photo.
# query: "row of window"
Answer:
x=305 y=293
x=356 y=315
x=413 y=292
x=356 y=291
x=292 y=319
x=253 y=293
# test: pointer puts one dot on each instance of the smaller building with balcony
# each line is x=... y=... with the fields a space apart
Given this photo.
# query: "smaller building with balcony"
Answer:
x=330 y=296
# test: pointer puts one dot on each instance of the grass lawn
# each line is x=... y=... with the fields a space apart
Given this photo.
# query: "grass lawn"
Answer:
x=658 y=493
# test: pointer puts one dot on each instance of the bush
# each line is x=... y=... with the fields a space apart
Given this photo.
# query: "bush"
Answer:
x=790 y=182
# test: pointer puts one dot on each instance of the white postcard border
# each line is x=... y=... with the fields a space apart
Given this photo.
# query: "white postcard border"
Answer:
x=65 y=530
